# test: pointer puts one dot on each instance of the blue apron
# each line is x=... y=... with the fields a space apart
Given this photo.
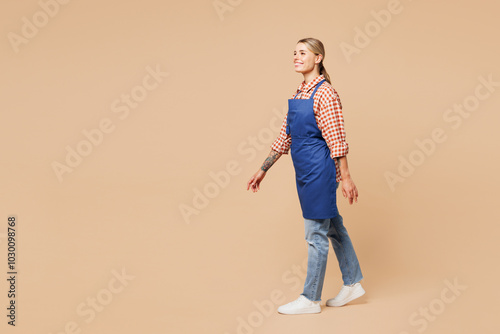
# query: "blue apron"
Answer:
x=315 y=172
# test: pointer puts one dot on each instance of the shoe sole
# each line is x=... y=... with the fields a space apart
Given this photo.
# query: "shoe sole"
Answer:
x=306 y=311
x=350 y=299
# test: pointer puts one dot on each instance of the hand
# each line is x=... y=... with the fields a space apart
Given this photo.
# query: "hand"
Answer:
x=255 y=180
x=349 y=190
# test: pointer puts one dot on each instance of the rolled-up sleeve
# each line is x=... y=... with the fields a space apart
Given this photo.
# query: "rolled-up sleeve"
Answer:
x=283 y=141
x=332 y=123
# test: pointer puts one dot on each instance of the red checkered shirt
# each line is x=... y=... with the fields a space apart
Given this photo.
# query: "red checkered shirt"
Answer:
x=328 y=113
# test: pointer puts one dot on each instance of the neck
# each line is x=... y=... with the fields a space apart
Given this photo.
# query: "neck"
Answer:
x=309 y=76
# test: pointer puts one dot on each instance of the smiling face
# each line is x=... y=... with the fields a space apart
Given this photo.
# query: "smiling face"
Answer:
x=304 y=60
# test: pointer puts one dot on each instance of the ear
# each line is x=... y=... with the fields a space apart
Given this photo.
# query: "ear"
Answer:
x=318 y=59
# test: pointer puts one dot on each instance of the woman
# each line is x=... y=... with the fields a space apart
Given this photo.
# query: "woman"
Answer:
x=314 y=131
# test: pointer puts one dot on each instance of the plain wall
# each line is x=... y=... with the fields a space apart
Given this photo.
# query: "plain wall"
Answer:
x=415 y=107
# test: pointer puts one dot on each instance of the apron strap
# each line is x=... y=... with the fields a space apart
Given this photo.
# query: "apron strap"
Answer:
x=315 y=89
x=317 y=86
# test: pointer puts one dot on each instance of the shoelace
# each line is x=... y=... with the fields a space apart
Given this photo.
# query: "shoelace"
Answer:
x=343 y=292
x=300 y=299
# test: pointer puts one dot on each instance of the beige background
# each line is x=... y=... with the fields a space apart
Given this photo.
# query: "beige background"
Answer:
x=229 y=75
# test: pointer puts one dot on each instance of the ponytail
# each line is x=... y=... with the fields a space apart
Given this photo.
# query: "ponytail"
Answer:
x=322 y=70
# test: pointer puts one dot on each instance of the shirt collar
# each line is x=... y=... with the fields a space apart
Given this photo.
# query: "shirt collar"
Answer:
x=305 y=88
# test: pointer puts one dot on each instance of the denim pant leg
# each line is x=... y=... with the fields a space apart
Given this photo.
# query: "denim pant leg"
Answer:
x=344 y=250
x=316 y=236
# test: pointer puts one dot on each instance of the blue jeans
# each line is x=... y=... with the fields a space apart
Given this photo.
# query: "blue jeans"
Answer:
x=317 y=232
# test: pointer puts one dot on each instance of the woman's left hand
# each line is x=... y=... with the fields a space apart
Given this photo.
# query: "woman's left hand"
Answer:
x=349 y=190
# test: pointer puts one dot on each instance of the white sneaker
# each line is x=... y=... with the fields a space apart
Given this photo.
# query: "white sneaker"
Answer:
x=299 y=306
x=346 y=294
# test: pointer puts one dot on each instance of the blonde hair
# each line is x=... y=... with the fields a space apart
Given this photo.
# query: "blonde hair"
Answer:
x=316 y=47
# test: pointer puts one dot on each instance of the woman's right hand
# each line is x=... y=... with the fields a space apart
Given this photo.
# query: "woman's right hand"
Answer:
x=255 y=180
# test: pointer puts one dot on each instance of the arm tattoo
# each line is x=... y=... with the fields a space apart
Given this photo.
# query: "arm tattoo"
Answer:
x=271 y=159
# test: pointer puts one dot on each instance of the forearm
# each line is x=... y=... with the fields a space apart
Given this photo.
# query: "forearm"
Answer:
x=270 y=160
x=344 y=167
